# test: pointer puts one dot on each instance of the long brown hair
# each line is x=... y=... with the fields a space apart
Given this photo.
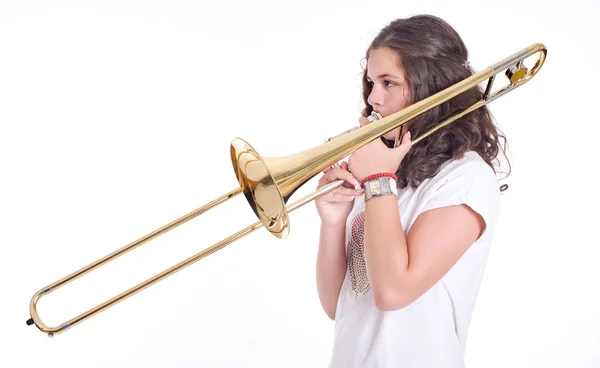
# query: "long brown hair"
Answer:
x=435 y=57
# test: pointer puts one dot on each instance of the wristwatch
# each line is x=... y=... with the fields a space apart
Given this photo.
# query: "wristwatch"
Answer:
x=380 y=186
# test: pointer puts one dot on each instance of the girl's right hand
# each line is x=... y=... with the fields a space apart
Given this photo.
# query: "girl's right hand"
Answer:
x=335 y=206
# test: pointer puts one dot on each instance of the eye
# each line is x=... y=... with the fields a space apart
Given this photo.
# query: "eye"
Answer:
x=389 y=83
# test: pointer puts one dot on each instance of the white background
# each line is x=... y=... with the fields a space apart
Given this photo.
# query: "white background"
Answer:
x=116 y=118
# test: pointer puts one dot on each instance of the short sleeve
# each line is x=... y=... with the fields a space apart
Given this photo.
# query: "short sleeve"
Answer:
x=471 y=182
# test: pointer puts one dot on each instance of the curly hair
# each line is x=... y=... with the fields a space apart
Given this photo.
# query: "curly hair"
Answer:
x=434 y=58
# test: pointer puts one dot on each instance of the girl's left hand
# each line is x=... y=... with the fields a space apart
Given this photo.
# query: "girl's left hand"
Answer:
x=375 y=157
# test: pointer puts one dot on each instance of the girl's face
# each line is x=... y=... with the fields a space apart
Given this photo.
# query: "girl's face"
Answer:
x=390 y=92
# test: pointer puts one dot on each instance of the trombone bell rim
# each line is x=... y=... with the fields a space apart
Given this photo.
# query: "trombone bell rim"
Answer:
x=260 y=188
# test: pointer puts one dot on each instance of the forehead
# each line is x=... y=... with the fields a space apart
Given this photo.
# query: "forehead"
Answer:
x=383 y=61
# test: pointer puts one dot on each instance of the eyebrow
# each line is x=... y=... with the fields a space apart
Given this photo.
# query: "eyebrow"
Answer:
x=382 y=76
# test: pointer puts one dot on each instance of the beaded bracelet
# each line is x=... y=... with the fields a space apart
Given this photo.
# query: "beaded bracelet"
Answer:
x=379 y=175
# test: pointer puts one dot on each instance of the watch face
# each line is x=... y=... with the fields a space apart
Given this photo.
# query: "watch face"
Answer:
x=380 y=186
x=375 y=186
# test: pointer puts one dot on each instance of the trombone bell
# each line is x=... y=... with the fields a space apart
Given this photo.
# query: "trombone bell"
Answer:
x=260 y=188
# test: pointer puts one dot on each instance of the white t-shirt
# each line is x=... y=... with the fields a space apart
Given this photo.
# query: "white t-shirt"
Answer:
x=431 y=332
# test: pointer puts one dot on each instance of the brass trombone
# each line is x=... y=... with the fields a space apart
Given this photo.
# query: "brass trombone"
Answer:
x=268 y=183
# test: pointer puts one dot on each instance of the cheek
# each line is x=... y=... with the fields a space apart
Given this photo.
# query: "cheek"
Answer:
x=400 y=99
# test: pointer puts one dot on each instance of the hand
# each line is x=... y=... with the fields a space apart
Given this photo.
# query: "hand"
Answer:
x=375 y=157
x=335 y=206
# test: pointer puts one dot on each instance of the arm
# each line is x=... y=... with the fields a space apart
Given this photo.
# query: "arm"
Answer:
x=331 y=267
x=401 y=269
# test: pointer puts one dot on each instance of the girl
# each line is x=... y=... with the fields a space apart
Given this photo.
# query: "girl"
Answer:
x=401 y=259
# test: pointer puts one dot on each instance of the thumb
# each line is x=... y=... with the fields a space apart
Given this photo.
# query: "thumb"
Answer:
x=405 y=145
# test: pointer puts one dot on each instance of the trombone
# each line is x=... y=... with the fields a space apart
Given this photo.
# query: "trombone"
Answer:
x=268 y=183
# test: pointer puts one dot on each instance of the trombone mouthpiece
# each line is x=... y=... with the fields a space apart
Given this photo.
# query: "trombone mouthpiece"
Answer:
x=374 y=116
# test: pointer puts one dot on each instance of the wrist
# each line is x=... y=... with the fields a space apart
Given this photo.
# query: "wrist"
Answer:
x=377 y=175
x=380 y=185
x=333 y=226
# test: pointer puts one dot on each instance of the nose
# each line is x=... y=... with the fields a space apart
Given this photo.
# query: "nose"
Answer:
x=375 y=97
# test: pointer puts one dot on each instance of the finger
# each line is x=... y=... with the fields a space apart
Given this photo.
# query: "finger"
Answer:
x=346 y=198
x=335 y=174
x=363 y=121
x=335 y=165
x=346 y=184
x=406 y=139
x=350 y=191
x=344 y=166
x=405 y=145
x=342 y=198
x=342 y=195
